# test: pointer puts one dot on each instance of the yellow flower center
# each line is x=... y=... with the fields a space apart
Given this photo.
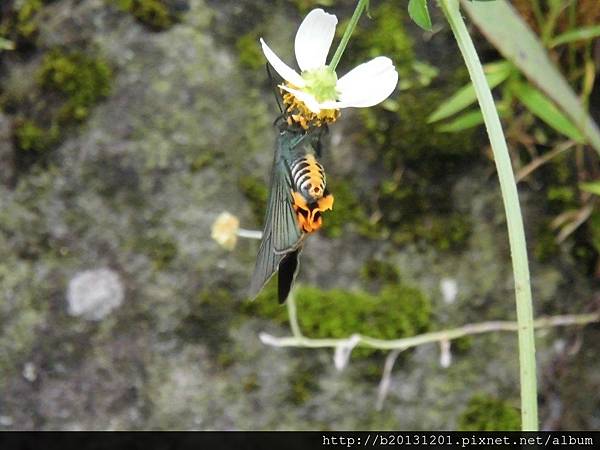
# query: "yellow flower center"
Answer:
x=298 y=112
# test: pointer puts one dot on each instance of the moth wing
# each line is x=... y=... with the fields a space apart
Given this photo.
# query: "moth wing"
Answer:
x=281 y=234
x=285 y=228
x=288 y=269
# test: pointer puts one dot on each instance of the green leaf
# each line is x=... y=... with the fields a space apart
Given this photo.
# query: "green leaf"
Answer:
x=496 y=73
x=462 y=122
x=592 y=186
x=418 y=12
x=507 y=31
x=541 y=106
x=578 y=34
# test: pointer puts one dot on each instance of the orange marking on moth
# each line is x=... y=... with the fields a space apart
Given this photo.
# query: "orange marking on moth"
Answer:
x=309 y=216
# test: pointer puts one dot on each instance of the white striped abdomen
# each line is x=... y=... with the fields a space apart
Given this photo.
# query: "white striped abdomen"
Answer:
x=308 y=177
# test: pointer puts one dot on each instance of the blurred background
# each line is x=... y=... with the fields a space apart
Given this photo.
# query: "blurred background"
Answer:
x=128 y=126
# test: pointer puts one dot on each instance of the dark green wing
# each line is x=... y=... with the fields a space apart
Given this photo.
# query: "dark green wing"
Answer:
x=288 y=269
x=281 y=234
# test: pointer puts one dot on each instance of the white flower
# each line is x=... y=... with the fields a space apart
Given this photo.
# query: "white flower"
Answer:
x=224 y=230
x=317 y=86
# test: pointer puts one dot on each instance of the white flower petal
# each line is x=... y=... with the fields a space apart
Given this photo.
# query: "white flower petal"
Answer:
x=314 y=38
x=368 y=84
x=331 y=104
x=308 y=99
x=286 y=72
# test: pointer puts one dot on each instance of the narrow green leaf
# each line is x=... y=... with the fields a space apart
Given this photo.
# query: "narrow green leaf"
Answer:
x=592 y=186
x=541 y=106
x=496 y=73
x=508 y=32
x=418 y=12
x=578 y=34
x=462 y=122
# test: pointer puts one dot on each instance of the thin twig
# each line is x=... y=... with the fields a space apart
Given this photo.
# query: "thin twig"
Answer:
x=583 y=215
x=428 y=338
x=533 y=165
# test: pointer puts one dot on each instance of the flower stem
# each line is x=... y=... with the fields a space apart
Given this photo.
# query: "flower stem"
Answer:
x=516 y=233
x=347 y=33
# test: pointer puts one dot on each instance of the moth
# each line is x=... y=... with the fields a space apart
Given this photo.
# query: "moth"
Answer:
x=298 y=196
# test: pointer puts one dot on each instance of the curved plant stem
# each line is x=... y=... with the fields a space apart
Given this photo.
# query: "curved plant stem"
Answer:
x=299 y=340
x=516 y=233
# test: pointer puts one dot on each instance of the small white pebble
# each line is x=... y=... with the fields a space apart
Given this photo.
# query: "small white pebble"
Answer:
x=6 y=421
x=29 y=372
x=449 y=289
x=93 y=294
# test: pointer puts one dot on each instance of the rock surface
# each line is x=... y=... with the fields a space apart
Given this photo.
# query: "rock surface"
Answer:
x=137 y=188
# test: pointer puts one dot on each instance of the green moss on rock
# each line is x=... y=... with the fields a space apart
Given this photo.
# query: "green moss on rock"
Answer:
x=486 y=413
x=30 y=137
x=375 y=270
x=418 y=204
x=70 y=83
x=158 y=15
x=396 y=311
x=249 y=52
x=19 y=22
x=81 y=79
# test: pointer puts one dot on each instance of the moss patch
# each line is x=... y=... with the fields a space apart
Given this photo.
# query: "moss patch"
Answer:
x=157 y=15
x=30 y=137
x=19 y=22
x=383 y=272
x=68 y=85
x=81 y=80
x=486 y=413
x=420 y=168
x=249 y=52
x=396 y=311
